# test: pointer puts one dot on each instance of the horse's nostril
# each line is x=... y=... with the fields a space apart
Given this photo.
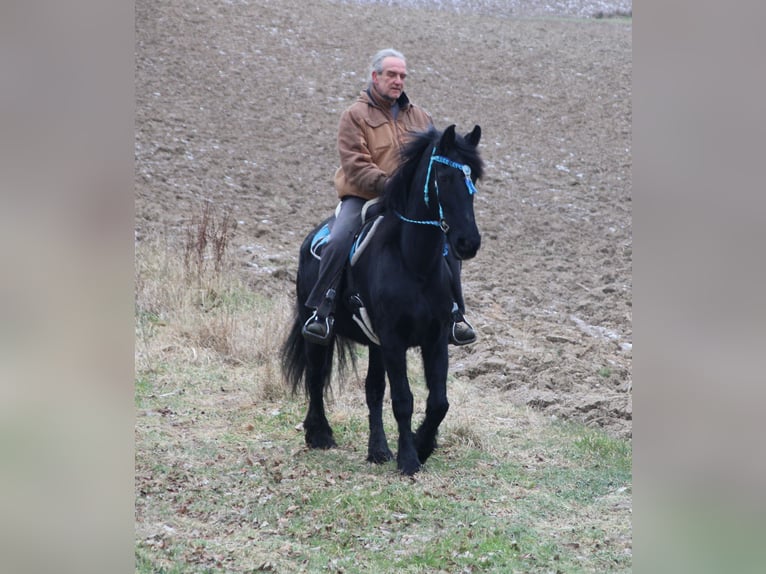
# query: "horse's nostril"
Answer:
x=467 y=248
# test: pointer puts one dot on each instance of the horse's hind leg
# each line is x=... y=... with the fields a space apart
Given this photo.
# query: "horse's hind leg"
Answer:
x=315 y=426
x=375 y=387
x=435 y=364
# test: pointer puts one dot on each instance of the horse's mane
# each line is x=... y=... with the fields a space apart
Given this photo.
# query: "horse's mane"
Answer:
x=395 y=193
x=412 y=153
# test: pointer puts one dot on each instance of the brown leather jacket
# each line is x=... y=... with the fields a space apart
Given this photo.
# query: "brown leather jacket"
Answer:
x=370 y=142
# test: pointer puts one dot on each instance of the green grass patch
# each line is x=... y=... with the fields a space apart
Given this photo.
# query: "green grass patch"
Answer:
x=605 y=372
x=243 y=478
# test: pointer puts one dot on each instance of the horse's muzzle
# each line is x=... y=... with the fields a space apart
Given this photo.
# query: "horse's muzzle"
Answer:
x=465 y=248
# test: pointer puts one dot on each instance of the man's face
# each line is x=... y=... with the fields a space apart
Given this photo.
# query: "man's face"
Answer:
x=390 y=82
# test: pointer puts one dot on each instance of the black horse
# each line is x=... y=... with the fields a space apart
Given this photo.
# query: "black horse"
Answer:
x=395 y=296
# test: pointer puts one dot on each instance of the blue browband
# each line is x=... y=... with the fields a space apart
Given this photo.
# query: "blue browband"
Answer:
x=465 y=168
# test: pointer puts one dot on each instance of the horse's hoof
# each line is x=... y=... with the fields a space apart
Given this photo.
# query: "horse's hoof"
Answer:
x=379 y=457
x=408 y=468
x=321 y=442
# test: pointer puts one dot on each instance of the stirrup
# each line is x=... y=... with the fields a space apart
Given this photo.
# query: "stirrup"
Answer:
x=325 y=326
x=457 y=318
x=469 y=331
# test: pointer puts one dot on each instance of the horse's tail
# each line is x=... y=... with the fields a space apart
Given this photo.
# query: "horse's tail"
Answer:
x=295 y=358
x=293 y=354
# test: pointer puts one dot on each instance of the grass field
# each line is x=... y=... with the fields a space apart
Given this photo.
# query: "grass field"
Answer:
x=224 y=482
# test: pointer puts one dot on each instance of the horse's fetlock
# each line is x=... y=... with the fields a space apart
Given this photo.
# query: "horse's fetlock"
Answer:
x=439 y=409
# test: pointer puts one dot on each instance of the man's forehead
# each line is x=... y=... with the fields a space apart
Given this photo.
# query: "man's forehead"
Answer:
x=393 y=63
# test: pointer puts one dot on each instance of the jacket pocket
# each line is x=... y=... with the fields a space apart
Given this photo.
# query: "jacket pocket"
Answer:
x=380 y=137
x=375 y=121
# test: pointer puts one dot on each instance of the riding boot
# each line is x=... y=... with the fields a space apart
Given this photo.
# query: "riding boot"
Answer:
x=461 y=331
x=318 y=328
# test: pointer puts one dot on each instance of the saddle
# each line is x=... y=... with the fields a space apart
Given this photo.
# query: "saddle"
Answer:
x=371 y=216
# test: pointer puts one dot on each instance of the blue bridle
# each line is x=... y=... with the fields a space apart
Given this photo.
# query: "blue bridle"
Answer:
x=466 y=169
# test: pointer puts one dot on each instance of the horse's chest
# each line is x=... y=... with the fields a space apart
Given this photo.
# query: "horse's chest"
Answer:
x=417 y=307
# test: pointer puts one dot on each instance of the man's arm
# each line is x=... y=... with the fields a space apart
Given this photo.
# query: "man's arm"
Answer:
x=355 y=157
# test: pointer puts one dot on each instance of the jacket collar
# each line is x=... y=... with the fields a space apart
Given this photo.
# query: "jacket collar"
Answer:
x=402 y=101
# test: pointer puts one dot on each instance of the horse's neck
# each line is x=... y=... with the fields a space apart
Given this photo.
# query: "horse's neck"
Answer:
x=422 y=244
x=422 y=248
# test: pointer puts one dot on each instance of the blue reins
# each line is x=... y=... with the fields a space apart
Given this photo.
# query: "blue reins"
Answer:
x=466 y=169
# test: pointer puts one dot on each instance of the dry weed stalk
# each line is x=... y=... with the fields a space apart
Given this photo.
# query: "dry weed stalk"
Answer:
x=207 y=238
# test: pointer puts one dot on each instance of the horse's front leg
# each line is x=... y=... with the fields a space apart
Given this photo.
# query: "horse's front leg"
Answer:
x=435 y=365
x=375 y=388
x=395 y=361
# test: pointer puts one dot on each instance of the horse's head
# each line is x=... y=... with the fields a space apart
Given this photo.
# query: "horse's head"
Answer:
x=454 y=168
x=435 y=185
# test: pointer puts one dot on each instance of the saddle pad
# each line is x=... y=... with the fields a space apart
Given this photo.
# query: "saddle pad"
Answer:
x=320 y=238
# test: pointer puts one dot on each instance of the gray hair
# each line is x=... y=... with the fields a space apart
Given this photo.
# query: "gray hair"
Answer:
x=377 y=61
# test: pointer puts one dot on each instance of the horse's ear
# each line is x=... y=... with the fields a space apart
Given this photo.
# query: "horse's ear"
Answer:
x=448 y=139
x=474 y=137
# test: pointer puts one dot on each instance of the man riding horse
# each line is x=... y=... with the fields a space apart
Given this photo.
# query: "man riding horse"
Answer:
x=371 y=134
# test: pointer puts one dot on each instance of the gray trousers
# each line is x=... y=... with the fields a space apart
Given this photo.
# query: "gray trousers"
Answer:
x=336 y=250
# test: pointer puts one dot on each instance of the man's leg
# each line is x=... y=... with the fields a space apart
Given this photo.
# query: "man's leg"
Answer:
x=334 y=256
x=461 y=331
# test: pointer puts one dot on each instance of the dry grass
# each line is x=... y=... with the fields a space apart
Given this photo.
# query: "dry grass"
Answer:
x=194 y=311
